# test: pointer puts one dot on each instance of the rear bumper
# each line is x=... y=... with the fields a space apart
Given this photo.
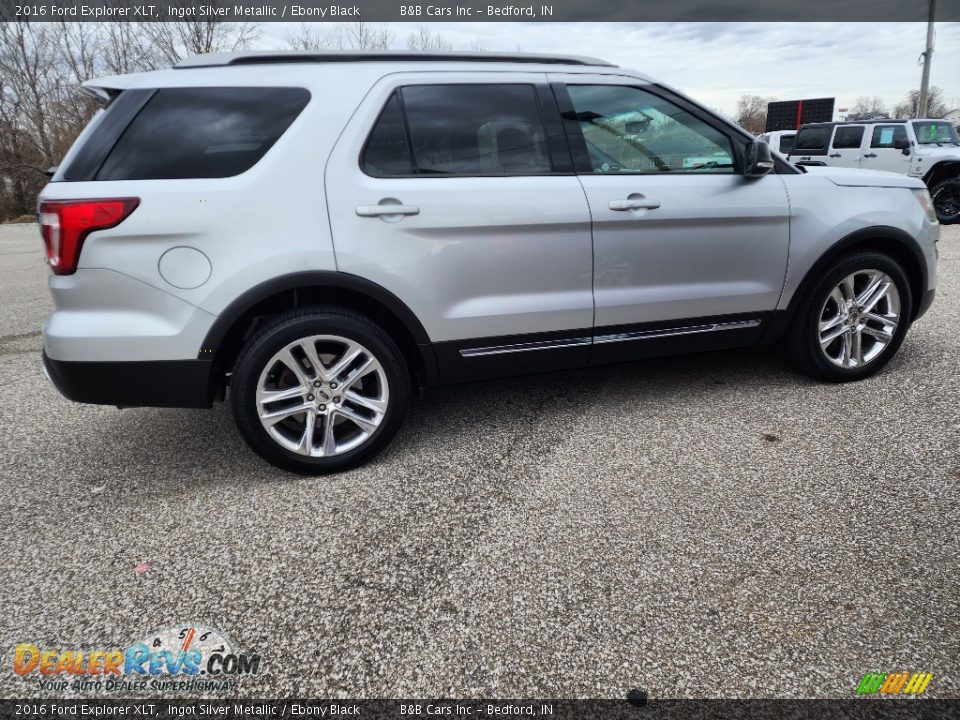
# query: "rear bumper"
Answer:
x=153 y=383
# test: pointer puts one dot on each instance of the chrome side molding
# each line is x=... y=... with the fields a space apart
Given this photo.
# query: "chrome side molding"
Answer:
x=611 y=338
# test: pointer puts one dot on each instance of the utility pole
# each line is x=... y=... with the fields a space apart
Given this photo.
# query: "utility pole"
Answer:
x=927 y=59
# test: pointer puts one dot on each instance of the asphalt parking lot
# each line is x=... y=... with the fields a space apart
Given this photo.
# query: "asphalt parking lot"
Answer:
x=706 y=526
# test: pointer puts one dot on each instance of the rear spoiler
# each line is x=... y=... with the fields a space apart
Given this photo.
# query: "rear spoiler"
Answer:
x=103 y=95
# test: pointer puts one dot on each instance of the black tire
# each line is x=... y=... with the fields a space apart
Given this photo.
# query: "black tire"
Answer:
x=946 y=200
x=803 y=340
x=287 y=328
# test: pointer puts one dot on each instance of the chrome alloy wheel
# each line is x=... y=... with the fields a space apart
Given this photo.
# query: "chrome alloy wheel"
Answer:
x=859 y=318
x=322 y=395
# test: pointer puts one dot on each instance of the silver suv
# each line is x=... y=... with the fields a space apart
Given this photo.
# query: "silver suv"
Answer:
x=324 y=234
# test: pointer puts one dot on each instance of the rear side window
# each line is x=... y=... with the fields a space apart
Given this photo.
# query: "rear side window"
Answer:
x=202 y=132
x=786 y=143
x=884 y=136
x=810 y=139
x=848 y=137
x=459 y=130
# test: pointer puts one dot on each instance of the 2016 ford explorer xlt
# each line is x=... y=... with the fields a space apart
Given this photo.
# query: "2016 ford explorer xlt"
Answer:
x=323 y=234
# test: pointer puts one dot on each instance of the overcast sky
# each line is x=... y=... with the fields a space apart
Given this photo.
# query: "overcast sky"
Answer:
x=717 y=62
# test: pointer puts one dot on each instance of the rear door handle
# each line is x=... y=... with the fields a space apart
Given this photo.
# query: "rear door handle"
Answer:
x=870 y=155
x=834 y=154
x=634 y=204
x=381 y=210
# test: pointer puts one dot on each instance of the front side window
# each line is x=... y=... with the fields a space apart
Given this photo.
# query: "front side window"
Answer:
x=202 y=132
x=459 y=130
x=936 y=133
x=628 y=130
x=848 y=137
x=884 y=136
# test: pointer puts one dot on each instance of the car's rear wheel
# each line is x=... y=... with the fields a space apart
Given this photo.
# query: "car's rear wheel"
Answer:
x=946 y=200
x=320 y=390
x=853 y=320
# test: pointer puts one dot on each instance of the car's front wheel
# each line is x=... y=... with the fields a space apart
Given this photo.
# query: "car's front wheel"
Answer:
x=319 y=390
x=851 y=323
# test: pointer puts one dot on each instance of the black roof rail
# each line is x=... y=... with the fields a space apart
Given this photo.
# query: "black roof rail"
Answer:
x=347 y=56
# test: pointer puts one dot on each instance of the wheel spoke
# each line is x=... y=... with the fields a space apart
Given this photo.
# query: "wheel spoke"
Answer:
x=350 y=354
x=856 y=350
x=887 y=322
x=826 y=339
x=357 y=419
x=873 y=295
x=877 y=334
x=329 y=441
x=272 y=418
x=306 y=441
x=287 y=358
x=310 y=350
x=373 y=404
x=265 y=397
x=846 y=351
x=830 y=323
x=846 y=288
x=361 y=370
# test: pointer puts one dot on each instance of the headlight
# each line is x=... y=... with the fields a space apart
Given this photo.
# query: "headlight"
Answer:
x=926 y=202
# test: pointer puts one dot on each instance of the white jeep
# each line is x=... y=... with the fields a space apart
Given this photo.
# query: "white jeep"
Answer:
x=926 y=149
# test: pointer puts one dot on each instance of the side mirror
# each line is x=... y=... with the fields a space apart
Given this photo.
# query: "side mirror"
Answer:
x=902 y=144
x=758 y=160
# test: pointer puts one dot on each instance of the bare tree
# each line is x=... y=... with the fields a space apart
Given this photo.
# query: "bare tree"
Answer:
x=867 y=108
x=752 y=113
x=361 y=35
x=423 y=39
x=936 y=107
x=306 y=37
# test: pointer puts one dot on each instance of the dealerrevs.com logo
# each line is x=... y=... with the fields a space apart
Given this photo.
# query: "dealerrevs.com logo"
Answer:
x=897 y=683
x=186 y=658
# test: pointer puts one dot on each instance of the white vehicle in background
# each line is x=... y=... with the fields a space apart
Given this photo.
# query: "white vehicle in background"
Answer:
x=925 y=149
x=779 y=140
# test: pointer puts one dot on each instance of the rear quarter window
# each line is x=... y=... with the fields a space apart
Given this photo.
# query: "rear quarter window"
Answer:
x=812 y=141
x=202 y=132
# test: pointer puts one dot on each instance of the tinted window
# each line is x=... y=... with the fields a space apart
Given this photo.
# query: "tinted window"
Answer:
x=476 y=130
x=202 y=132
x=786 y=143
x=848 y=137
x=812 y=139
x=628 y=130
x=387 y=152
x=885 y=135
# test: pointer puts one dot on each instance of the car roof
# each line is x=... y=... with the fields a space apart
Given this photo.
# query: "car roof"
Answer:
x=885 y=121
x=346 y=56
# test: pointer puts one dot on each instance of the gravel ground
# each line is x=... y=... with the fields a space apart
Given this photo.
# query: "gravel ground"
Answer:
x=708 y=526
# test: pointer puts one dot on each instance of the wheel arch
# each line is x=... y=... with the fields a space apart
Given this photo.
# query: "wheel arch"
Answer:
x=888 y=240
x=941 y=171
x=321 y=287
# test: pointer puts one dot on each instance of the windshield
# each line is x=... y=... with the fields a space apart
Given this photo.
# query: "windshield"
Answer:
x=936 y=133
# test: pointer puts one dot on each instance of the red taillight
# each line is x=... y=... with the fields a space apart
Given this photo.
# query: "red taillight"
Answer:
x=65 y=224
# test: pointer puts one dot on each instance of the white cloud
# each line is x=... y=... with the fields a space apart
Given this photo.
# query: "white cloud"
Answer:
x=717 y=62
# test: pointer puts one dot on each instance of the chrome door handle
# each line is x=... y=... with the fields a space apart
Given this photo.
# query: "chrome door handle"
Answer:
x=634 y=204
x=380 y=210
